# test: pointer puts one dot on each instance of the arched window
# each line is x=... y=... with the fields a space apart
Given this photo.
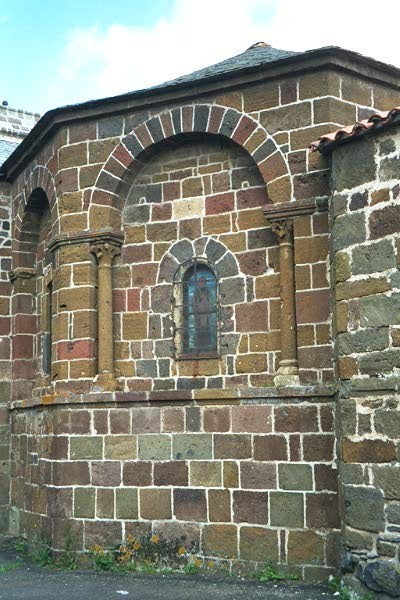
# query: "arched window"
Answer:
x=197 y=318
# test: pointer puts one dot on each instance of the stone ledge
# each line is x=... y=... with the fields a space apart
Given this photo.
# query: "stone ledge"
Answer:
x=111 y=236
x=251 y=395
x=359 y=387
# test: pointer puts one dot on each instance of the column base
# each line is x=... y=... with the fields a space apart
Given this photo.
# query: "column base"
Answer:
x=106 y=382
x=287 y=375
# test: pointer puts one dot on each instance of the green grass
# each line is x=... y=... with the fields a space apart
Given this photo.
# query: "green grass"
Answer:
x=268 y=573
x=343 y=592
x=10 y=567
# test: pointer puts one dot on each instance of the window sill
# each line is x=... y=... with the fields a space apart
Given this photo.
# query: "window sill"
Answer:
x=199 y=356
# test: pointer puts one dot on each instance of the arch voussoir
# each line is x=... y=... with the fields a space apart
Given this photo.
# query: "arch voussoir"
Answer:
x=124 y=162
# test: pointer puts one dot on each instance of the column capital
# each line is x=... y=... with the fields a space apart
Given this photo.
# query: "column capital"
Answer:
x=105 y=253
x=282 y=228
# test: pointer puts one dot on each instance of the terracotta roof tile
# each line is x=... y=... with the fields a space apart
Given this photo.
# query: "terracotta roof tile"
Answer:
x=377 y=120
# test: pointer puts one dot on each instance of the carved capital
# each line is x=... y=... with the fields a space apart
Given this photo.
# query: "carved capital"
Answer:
x=282 y=228
x=22 y=273
x=105 y=253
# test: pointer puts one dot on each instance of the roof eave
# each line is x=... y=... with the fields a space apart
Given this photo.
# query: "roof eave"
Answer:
x=291 y=65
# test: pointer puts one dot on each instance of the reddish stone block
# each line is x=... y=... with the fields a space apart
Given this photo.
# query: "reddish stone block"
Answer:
x=257 y=475
x=253 y=262
x=296 y=418
x=216 y=419
x=219 y=506
x=368 y=451
x=214 y=122
x=190 y=504
x=137 y=473
x=143 y=135
x=120 y=421
x=243 y=130
x=251 y=317
x=146 y=420
x=77 y=349
x=322 y=511
x=102 y=533
x=294 y=447
x=250 y=507
x=220 y=203
x=137 y=253
x=119 y=300
x=161 y=212
x=100 y=421
x=250 y=418
x=326 y=478
x=133 y=300
x=318 y=447
x=22 y=346
x=171 y=473
x=327 y=419
x=71 y=473
x=251 y=198
x=270 y=447
x=106 y=473
x=313 y=307
x=187 y=118
x=171 y=190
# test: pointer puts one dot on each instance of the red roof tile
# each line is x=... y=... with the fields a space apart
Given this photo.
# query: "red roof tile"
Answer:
x=375 y=121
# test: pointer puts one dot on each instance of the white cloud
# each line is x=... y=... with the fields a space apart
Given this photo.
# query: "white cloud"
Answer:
x=98 y=63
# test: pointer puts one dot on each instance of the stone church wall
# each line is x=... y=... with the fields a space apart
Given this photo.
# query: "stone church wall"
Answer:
x=215 y=450
x=366 y=242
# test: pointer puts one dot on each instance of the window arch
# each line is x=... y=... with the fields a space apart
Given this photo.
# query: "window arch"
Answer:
x=196 y=310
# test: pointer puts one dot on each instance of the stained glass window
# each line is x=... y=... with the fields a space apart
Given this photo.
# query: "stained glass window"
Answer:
x=200 y=310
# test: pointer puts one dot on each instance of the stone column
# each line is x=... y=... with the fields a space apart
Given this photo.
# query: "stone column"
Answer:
x=288 y=372
x=105 y=252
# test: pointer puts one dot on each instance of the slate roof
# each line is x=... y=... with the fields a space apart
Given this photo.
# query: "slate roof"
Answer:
x=257 y=55
x=375 y=122
x=7 y=147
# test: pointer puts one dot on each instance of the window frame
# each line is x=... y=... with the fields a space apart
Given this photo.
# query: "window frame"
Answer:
x=179 y=316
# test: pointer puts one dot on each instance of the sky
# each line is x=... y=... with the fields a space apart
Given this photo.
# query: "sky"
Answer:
x=59 y=52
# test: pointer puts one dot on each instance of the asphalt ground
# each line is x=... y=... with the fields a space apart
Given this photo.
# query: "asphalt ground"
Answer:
x=20 y=580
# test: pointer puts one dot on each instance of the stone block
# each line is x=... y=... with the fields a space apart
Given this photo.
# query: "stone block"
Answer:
x=368 y=451
x=120 y=447
x=347 y=230
x=219 y=506
x=382 y=576
x=270 y=447
x=146 y=420
x=106 y=474
x=230 y=474
x=252 y=419
x=377 y=363
x=216 y=419
x=365 y=340
x=379 y=311
x=105 y=503
x=286 y=509
x=258 y=544
x=126 y=503
x=190 y=504
x=322 y=511
x=250 y=507
x=257 y=475
x=384 y=222
x=296 y=418
x=192 y=446
x=134 y=326
x=232 y=446
x=205 y=473
x=171 y=473
x=220 y=541
x=155 y=504
x=373 y=258
x=388 y=479
x=71 y=473
x=305 y=547
x=154 y=447
x=364 y=508
x=295 y=476
x=137 y=473
x=317 y=447
x=88 y=447
x=362 y=161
